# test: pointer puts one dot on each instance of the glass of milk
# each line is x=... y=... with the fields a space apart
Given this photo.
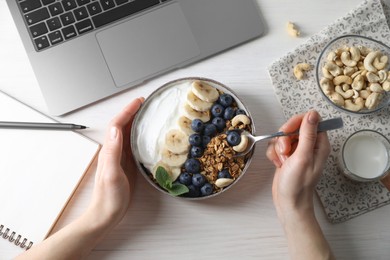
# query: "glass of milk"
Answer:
x=365 y=156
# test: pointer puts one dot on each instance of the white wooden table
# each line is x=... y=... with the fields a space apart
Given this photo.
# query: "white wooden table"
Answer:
x=241 y=223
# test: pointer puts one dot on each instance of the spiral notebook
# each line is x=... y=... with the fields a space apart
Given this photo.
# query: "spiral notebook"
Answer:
x=39 y=171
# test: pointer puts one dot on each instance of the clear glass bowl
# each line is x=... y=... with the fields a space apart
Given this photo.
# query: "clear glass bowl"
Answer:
x=352 y=40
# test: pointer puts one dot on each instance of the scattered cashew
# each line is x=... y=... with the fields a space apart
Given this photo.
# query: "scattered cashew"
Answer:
x=223 y=182
x=300 y=68
x=240 y=119
x=373 y=100
x=292 y=29
x=242 y=145
x=368 y=61
x=354 y=106
x=345 y=94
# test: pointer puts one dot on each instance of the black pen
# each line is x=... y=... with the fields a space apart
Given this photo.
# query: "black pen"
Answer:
x=43 y=126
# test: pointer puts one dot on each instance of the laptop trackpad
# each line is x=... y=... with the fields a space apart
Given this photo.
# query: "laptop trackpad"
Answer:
x=147 y=45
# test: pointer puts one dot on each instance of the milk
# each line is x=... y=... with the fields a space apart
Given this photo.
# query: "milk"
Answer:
x=365 y=156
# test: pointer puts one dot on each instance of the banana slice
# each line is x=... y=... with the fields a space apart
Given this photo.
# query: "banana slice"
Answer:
x=196 y=103
x=176 y=141
x=185 y=125
x=173 y=159
x=204 y=91
x=193 y=114
x=175 y=173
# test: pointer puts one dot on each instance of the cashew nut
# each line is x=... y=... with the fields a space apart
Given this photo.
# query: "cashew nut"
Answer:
x=342 y=79
x=240 y=119
x=327 y=86
x=299 y=68
x=386 y=85
x=347 y=94
x=382 y=76
x=354 y=106
x=364 y=50
x=380 y=62
x=349 y=71
x=346 y=59
x=368 y=61
x=337 y=99
x=333 y=69
x=223 y=182
x=372 y=77
x=355 y=94
x=242 y=145
x=326 y=73
x=373 y=100
x=292 y=29
x=355 y=53
x=345 y=87
x=365 y=93
x=332 y=56
x=358 y=82
x=376 y=87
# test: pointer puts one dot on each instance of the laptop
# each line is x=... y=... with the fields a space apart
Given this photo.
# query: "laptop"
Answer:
x=85 y=50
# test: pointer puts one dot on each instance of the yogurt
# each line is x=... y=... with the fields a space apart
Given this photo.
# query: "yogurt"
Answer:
x=365 y=156
x=160 y=115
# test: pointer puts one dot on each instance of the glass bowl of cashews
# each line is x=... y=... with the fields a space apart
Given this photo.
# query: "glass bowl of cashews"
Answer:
x=186 y=136
x=353 y=74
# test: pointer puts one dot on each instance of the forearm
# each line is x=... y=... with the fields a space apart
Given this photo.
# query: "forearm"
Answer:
x=75 y=241
x=305 y=237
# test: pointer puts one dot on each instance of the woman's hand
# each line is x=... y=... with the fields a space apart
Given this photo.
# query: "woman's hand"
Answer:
x=299 y=162
x=116 y=171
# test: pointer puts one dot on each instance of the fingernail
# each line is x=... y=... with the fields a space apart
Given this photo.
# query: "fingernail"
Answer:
x=313 y=117
x=113 y=133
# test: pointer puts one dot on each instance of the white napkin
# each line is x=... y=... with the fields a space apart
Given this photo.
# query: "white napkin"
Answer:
x=342 y=198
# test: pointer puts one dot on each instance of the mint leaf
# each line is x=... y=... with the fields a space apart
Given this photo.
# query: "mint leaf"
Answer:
x=163 y=178
x=178 y=189
x=165 y=181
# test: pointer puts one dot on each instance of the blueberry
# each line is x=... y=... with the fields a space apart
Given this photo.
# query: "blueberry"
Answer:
x=195 y=139
x=225 y=100
x=198 y=180
x=206 y=189
x=229 y=113
x=210 y=130
x=205 y=140
x=233 y=138
x=185 y=178
x=192 y=165
x=193 y=191
x=197 y=125
x=219 y=122
x=240 y=112
x=217 y=110
x=196 y=151
x=224 y=174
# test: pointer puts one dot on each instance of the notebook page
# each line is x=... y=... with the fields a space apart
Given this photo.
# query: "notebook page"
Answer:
x=39 y=170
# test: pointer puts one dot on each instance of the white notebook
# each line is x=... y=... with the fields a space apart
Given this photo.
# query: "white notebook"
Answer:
x=39 y=171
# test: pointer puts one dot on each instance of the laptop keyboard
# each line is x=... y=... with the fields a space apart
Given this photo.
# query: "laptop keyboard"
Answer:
x=51 y=22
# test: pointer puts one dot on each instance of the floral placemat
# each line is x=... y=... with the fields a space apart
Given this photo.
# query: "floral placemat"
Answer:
x=342 y=198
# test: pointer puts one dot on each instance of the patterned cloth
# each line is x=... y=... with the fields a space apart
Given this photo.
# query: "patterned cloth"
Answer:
x=342 y=198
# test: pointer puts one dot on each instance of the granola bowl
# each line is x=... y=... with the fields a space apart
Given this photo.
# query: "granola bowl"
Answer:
x=352 y=73
x=185 y=136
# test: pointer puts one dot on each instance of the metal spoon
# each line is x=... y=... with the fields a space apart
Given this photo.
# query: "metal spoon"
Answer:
x=329 y=124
